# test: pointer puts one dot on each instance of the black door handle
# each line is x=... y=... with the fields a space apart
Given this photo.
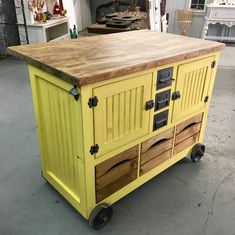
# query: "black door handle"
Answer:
x=176 y=95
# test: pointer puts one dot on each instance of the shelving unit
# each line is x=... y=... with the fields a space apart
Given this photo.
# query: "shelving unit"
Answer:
x=54 y=29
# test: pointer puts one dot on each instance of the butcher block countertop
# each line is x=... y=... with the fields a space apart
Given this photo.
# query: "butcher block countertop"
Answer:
x=92 y=59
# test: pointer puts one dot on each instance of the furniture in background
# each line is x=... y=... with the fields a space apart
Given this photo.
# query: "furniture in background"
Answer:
x=56 y=28
x=220 y=13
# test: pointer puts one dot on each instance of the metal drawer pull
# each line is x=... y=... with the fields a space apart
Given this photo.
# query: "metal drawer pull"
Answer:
x=165 y=80
x=163 y=101
x=160 y=121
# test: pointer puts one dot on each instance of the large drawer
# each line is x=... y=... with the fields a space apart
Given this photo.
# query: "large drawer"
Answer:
x=156 y=150
x=187 y=133
x=115 y=173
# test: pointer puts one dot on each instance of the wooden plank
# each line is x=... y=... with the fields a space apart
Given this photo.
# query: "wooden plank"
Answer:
x=188 y=132
x=126 y=167
x=155 y=162
x=190 y=121
x=186 y=143
x=156 y=150
x=168 y=134
x=89 y=60
x=104 y=167
x=115 y=186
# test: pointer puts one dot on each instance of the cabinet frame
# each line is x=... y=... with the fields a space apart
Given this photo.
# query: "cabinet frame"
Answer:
x=88 y=161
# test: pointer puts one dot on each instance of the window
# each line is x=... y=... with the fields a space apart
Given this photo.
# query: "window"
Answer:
x=198 y=5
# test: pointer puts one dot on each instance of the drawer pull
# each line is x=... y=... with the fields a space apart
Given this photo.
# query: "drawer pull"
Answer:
x=162 y=101
x=166 y=80
x=123 y=163
x=189 y=126
x=160 y=121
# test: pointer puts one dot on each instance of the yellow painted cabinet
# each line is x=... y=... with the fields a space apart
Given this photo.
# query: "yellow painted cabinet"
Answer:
x=120 y=116
x=192 y=82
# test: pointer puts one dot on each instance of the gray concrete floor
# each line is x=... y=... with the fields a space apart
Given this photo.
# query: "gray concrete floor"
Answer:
x=187 y=199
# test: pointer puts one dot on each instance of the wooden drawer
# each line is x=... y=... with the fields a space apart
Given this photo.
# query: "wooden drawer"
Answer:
x=187 y=133
x=116 y=172
x=193 y=120
x=156 y=150
x=186 y=143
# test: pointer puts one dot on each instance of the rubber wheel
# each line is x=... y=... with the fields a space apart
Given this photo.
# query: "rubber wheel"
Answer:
x=100 y=216
x=198 y=152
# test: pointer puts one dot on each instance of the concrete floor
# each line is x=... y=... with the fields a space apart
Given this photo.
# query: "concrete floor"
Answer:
x=187 y=199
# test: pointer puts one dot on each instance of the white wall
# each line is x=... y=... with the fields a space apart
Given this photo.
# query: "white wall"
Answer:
x=195 y=29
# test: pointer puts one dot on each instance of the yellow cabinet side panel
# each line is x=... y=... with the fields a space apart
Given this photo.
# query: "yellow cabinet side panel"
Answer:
x=59 y=124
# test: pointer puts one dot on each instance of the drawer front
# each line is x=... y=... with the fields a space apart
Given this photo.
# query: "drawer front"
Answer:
x=162 y=100
x=160 y=120
x=187 y=133
x=116 y=172
x=155 y=162
x=164 y=78
x=155 y=150
x=186 y=143
x=193 y=120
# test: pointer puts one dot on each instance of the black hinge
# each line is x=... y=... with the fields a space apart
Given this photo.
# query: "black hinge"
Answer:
x=74 y=92
x=94 y=149
x=176 y=95
x=93 y=101
x=149 y=105
x=213 y=64
x=206 y=99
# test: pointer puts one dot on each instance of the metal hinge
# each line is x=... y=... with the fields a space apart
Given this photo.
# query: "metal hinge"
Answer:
x=74 y=92
x=213 y=64
x=206 y=99
x=93 y=101
x=94 y=149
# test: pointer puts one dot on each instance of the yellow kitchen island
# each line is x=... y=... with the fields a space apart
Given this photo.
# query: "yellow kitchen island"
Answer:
x=113 y=111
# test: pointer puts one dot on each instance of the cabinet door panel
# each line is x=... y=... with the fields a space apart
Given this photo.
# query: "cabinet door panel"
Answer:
x=120 y=116
x=192 y=82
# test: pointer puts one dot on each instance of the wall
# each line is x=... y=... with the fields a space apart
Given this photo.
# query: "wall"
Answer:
x=198 y=19
x=9 y=35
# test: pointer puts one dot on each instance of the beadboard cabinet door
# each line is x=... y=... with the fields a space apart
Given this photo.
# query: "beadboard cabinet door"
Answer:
x=120 y=116
x=192 y=82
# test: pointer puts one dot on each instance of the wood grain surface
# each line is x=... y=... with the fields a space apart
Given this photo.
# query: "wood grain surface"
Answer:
x=89 y=60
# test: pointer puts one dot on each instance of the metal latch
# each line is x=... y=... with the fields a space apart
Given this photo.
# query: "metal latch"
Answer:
x=149 y=105
x=93 y=101
x=74 y=92
x=176 y=95
x=213 y=64
x=206 y=99
x=94 y=149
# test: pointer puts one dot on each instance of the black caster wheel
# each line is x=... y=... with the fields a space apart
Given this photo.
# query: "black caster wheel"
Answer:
x=100 y=216
x=197 y=152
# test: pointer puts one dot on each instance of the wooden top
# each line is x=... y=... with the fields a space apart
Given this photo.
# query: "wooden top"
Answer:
x=92 y=59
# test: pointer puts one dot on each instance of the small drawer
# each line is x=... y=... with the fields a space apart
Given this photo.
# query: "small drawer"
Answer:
x=162 y=100
x=115 y=173
x=187 y=132
x=164 y=78
x=189 y=122
x=158 y=160
x=160 y=120
x=156 y=148
x=186 y=143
